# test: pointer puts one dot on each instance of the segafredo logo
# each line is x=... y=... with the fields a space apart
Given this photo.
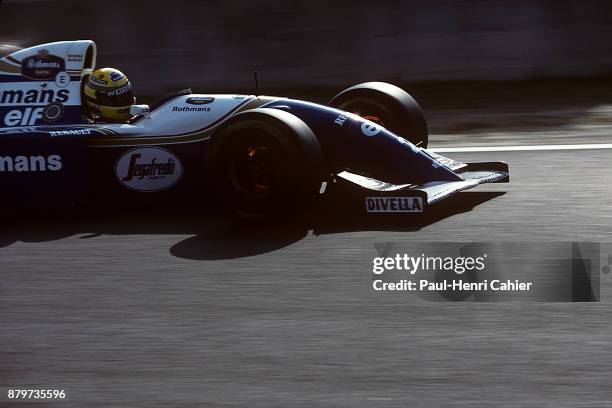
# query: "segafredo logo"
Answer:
x=148 y=169
x=394 y=204
x=30 y=164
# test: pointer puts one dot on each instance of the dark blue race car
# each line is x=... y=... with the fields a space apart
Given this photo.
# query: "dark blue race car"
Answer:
x=256 y=155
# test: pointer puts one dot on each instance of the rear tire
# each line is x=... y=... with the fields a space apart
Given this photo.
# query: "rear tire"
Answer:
x=388 y=105
x=264 y=163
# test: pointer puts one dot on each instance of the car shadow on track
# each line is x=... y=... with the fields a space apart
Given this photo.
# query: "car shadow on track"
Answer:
x=460 y=203
x=214 y=238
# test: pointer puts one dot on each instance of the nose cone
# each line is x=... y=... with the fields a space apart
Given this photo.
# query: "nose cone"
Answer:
x=368 y=148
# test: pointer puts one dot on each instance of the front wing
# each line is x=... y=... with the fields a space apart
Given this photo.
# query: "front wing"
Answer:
x=381 y=197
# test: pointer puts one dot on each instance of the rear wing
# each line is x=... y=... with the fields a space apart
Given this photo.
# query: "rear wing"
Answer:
x=42 y=84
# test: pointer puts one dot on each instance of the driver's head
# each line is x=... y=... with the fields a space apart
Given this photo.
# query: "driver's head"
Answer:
x=109 y=95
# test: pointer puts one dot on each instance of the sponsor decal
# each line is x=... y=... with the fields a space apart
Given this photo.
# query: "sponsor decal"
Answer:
x=53 y=112
x=200 y=100
x=370 y=128
x=33 y=96
x=116 y=76
x=442 y=161
x=340 y=120
x=121 y=90
x=98 y=81
x=148 y=169
x=25 y=117
x=394 y=204
x=62 y=79
x=189 y=109
x=75 y=58
x=42 y=66
x=71 y=132
x=31 y=164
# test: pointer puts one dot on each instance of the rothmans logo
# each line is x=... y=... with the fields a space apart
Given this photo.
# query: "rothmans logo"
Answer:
x=190 y=109
x=42 y=65
x=394 y=204
x=33 y=96
x=20 y=164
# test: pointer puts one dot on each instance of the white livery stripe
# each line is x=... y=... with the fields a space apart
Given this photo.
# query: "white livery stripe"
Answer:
x=528 y=148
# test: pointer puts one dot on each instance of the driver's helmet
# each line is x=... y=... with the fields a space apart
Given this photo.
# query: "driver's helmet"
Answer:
x=109 y=95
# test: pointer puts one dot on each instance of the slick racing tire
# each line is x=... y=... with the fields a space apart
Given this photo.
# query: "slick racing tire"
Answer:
x=264 y=163
x=387 y=105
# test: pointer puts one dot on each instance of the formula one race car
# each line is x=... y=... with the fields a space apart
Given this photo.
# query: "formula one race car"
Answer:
x=256 y=155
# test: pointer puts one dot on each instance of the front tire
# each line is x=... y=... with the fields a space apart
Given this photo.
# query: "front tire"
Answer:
x=265 y=162
x=388 y=105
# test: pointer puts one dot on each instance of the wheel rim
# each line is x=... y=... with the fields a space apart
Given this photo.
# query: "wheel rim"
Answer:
x=253 y=170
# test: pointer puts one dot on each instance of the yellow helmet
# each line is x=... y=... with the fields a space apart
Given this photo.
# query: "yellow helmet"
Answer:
x=109 y=94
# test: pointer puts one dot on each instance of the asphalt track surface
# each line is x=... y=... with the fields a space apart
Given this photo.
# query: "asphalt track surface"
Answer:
x=152 y=310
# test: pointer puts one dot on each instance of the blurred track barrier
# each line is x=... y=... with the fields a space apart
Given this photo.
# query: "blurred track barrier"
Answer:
x=218 y=44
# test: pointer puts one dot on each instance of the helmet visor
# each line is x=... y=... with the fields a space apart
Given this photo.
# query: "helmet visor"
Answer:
x=123 y=99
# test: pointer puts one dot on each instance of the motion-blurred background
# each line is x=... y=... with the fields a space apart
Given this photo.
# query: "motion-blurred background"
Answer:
x=167 y=310
x=475 y=66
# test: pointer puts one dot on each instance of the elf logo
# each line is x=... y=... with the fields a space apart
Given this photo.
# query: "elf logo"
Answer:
x=33 y=164
x=23 y=117
x=394 y=204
